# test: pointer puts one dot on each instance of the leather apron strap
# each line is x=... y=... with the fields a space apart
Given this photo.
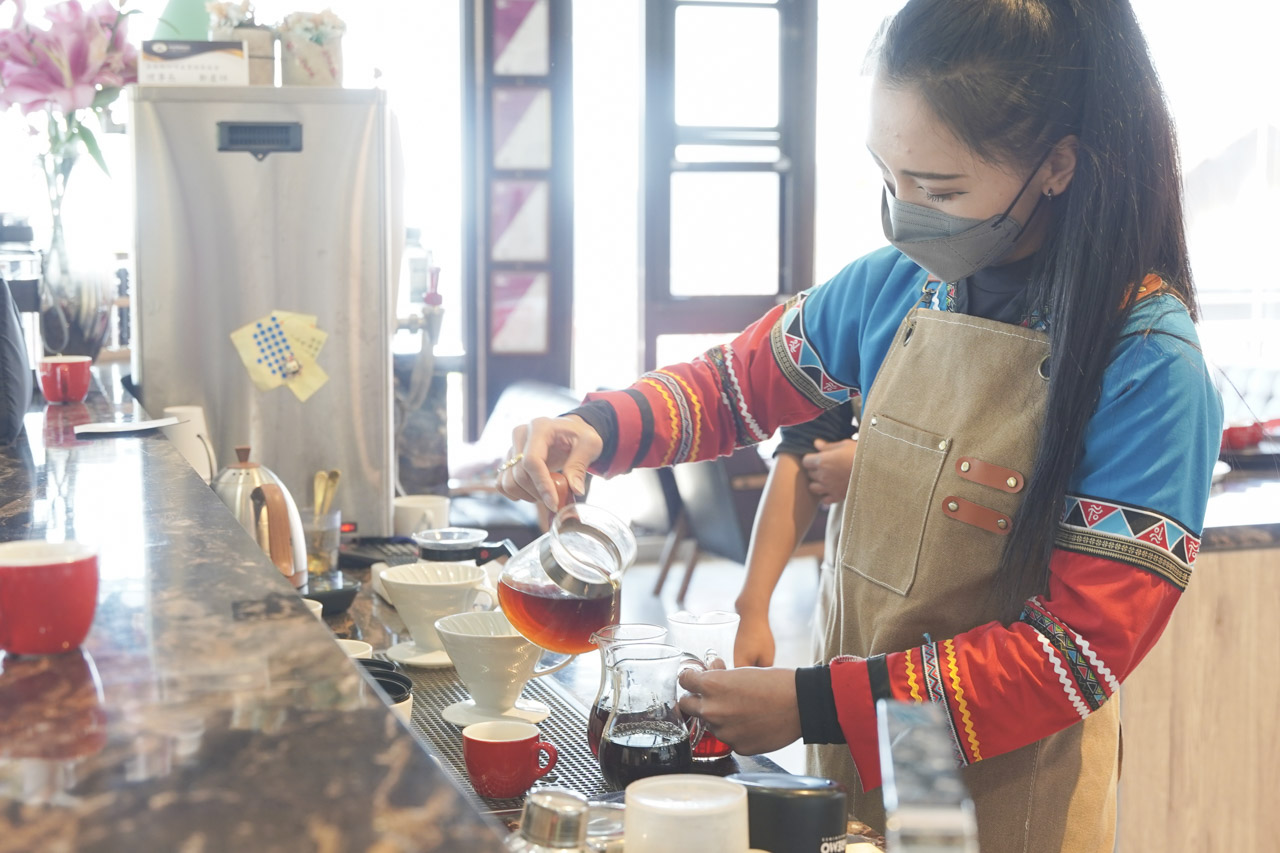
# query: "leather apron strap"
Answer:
x=958 y=401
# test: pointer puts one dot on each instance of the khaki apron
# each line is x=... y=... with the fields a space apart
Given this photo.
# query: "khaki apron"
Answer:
x=955 y=386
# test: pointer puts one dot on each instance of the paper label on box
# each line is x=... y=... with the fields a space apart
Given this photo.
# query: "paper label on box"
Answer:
x=171 y=62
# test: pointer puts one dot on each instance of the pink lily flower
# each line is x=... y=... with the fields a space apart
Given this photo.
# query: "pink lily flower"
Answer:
x=66 y=65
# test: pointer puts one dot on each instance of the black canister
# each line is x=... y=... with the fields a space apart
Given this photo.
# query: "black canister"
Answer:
x=794 y=814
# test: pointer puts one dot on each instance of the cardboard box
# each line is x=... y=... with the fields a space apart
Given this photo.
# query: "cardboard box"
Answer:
x=171 y=62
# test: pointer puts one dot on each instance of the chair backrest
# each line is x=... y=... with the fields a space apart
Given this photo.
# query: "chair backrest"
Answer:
x=720 y=498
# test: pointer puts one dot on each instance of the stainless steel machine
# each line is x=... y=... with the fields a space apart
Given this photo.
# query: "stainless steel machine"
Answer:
x=252 y=200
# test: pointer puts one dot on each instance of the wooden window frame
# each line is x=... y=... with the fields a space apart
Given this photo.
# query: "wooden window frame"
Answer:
x=661 y=312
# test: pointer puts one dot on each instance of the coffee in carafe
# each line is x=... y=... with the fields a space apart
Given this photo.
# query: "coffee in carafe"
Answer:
x=631 y=751
x=646 y=734
x=606 y=640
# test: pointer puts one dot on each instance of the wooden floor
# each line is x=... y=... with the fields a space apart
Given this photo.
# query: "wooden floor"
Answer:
x=715 y=585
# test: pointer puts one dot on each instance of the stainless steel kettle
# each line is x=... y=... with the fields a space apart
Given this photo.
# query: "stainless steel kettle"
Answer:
x=235 y=485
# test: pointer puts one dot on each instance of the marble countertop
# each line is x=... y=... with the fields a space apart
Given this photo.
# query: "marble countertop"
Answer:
x=207 y=710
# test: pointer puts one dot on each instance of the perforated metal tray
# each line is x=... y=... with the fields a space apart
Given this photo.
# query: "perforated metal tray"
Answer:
x=566 y=728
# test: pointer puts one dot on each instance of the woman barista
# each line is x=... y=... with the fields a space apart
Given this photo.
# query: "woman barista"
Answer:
x=1026 y=497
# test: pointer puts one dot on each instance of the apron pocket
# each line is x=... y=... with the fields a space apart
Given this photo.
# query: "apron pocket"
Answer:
x=889 y=501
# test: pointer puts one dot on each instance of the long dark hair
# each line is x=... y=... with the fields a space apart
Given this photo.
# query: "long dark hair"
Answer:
x=1011 y=78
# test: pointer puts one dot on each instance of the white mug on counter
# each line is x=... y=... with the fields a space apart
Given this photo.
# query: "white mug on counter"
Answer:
x=191 y=436
x=420 y=512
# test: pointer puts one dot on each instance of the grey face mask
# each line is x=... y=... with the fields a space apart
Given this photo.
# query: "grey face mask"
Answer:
x=950 y=247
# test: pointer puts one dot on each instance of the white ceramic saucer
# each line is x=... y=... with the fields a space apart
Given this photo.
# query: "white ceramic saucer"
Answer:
x=411 y=654
x=465 y=713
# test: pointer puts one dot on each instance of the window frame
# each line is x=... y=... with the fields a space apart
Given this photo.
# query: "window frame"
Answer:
x=661 y=312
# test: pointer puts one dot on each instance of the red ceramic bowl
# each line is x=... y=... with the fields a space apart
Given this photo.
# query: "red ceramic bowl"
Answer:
x=1242 y=436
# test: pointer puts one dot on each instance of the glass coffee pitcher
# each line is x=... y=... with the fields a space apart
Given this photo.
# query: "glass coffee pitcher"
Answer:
x=645 y=734
x=565 y=585
x=606 y=640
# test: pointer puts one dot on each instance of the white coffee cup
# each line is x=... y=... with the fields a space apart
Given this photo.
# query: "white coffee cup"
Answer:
x=316 y=607
x=422 y=592
x=493 y=660
x=191 y=437
x=355 y=648
x=420 y=512
x=706 y=813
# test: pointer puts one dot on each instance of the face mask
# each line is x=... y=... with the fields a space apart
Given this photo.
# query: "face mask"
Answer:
x=950 y=247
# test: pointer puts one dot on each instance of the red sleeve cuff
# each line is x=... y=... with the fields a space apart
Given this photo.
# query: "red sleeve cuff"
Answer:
x=857 y=710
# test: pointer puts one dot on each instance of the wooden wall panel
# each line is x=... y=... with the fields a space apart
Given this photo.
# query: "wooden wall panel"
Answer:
x=1201 y=717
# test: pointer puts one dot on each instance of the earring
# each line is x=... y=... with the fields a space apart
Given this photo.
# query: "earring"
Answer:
x=1048 y=193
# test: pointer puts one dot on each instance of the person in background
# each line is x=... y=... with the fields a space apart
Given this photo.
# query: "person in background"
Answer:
x=17 y=382
x=1037 y=436
x=811 y=467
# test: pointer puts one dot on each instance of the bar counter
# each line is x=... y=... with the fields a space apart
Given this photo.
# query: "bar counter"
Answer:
x=207 y=710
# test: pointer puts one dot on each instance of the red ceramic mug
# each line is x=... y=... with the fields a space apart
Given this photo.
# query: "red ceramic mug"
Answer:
x=503 y=758
x=65 y=378
x=48 y=595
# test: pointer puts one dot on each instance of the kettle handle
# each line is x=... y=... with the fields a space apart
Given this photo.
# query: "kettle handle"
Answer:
x=270 y=497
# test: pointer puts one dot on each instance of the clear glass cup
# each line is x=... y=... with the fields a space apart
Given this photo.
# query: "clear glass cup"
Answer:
x=322 y=534
x=709 y=636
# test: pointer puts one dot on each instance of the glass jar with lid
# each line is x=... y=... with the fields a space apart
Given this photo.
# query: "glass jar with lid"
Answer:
x=554 y=820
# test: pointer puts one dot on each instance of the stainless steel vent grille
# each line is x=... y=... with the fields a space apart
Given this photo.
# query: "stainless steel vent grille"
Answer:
x=259 y=138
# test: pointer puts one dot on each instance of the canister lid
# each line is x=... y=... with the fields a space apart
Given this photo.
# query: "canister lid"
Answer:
x=786 y=785
x=555 y=817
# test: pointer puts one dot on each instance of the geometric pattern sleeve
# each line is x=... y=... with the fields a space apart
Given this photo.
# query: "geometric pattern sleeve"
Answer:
x=731 y=396
x=1003 y=687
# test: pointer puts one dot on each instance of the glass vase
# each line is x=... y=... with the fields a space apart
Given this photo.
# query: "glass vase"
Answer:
x=77 y=297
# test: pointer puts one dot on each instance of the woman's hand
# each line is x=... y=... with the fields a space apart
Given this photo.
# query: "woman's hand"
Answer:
x=754 y=644
x=829 y=468
x=753 y=710
x=544 y=445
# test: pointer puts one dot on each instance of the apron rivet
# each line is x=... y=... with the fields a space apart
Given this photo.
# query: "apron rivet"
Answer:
x=964 y=466
x=953 y=506
x=1013 y=482
x=1001 y=523
x=874 y=421
x=942 y=445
